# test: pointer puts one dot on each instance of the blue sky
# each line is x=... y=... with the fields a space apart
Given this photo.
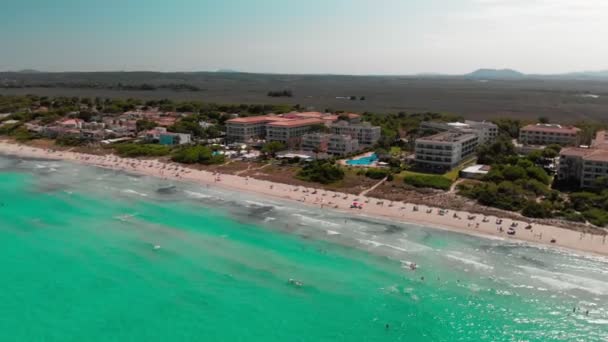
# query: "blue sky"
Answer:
x=311 y=36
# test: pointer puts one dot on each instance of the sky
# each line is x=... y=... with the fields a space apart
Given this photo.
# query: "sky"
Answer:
x=396 y=37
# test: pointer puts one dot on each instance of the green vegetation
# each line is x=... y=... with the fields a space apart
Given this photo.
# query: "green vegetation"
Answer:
x=592 y=205
x=144 y=125
x=197 y=154
x=404 y=124
x=428 y=181
x=70 y=140
x=378 y=174
x=498 y=152
x=511 y=186
x=141 y=150
x=281 y=93
x=271 y=148
x=508 y=128
x=324 y=172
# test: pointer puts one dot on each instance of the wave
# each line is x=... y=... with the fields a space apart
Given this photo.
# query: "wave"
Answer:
x=469 y=261
x=259 y=204
x=316 y=221
x=196 y=195
x=565 y=281
x=133 y=192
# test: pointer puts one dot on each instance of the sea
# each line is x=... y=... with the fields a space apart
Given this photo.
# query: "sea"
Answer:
x=89 y=254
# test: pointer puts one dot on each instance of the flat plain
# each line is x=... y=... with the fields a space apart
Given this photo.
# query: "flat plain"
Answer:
x=527 y=99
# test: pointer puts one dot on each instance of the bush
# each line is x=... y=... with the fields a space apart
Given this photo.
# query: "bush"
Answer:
x=573 y=216
x=597 y=217
x=321 y=172
x=377 y=173
x=197 y=154
x=21 y=134
x=141 y=150
x=536 y=210
x=428 y=181
x=70 y=141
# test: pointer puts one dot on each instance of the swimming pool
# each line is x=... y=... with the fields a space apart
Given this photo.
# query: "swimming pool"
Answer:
x=363 y=161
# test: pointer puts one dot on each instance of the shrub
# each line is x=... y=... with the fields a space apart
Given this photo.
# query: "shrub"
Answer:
x=141 y=150
x=323 y=172
x=571 y=215
x=536 y=210
x=377 y=173
x=197 y=154
x=70 y=141
x=597 y=217
x=428 y=181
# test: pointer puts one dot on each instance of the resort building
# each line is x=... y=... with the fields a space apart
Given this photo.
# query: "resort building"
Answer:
x=486 y=131
x=334 y=144
x=290 y=132
x=289 y=128
x=585 y=165
x=445 y=150
x=254 y=128
x=365 y=133
x=248 y=129
x=547 y=134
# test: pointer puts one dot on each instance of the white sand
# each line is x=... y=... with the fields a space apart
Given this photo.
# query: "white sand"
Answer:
x=373 y=207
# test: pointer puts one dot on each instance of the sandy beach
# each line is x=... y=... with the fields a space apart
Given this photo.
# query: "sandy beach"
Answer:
x=473 y=224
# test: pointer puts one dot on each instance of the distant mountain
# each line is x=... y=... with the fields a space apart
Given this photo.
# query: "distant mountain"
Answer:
x=228 y=71
x=495 y=74
x=29 y=71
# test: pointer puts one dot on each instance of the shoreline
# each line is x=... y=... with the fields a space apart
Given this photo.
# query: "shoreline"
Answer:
x=456 y=221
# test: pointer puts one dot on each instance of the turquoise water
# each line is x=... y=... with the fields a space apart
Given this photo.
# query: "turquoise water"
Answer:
x=77 y=246
x=363 y=160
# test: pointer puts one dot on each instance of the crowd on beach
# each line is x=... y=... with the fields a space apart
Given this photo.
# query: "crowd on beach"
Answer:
x=359 y=205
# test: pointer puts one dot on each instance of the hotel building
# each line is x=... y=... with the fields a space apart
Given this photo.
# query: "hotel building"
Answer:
x=334 y=144
x=445 y=150
x=585 y=165
x=365 y=133
x=547 y=134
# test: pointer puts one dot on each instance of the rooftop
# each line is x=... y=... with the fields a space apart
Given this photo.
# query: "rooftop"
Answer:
x=447 y=137
x=551 y=128
x=296 y=122
x=257 y=119
x=591 y=154
x=479 y=169
x=597 y=155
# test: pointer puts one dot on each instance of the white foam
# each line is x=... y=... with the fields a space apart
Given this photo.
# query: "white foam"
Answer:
x=370 y=243
x=564 y=281
x=196 y=194
x=133 y=192
x=332 y=232
x=259 y=204
x=316 y=221
x=468 y=260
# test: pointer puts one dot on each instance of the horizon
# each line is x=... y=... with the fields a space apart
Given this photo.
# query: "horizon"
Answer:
x=237 y=71
x=339 y=37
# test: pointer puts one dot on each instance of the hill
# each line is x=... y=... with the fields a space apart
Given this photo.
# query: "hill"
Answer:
x=495 y=74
